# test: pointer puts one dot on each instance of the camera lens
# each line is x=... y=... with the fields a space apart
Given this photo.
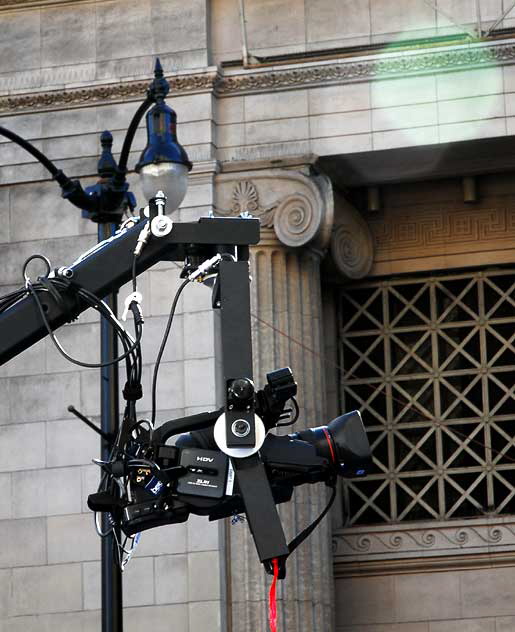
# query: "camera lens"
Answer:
x=240 y=428
x=343 y=443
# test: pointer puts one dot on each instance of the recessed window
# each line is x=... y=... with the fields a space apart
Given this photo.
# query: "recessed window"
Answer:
x=430 y=363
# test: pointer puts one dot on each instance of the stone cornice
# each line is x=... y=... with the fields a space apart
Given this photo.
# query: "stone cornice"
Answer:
x=384 y=65
x=423 y=564
x=123 y=91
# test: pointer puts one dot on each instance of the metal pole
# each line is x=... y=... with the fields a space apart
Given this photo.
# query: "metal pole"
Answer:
x=112 y=613
x=478 y=19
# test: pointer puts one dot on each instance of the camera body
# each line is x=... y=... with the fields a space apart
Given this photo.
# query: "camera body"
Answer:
x=164 y=483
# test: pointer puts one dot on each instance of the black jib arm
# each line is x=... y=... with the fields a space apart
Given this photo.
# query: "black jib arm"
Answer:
x=108 y=266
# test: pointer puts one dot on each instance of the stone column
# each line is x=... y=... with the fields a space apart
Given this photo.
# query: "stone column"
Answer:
x=297 y=213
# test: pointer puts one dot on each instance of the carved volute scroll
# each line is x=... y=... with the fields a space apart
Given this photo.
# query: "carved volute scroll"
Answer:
x=299 y=208
x=352 y=245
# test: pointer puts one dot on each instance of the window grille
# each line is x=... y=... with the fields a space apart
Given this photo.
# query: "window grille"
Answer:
x=430 y=363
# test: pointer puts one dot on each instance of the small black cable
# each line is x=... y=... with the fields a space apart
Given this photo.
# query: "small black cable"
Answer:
x=162 y=348
x=58 y=346
x=134 y=260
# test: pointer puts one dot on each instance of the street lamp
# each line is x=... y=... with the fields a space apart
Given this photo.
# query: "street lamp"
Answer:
x=164 y=163
x=163 y=167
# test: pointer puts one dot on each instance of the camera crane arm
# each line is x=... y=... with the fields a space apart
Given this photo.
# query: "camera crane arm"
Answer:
x=108 y=266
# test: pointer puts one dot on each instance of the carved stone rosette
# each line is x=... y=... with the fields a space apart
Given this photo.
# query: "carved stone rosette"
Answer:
x=297 y=214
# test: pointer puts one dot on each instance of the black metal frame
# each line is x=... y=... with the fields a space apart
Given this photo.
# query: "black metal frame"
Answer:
x=109 y=266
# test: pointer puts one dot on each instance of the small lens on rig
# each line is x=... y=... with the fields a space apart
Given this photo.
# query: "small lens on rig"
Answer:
x=240 y=428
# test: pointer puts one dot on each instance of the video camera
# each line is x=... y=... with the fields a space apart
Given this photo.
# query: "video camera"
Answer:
x=224 y=462
x=152 y=483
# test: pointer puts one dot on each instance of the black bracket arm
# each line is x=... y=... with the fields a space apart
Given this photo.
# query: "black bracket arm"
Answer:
x=108 y=266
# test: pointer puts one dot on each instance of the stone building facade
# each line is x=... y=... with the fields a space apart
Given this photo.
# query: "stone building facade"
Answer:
x=374 y=141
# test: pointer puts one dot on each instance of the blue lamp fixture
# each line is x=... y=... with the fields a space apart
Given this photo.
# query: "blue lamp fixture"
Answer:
x=163 y=166
x=164 y=163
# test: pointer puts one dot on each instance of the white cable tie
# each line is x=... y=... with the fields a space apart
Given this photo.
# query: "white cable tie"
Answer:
x=205 y=267
x=143 y=237
x=134 y=297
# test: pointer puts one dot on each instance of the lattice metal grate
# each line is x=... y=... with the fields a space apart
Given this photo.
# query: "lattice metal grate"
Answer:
x=431 y=365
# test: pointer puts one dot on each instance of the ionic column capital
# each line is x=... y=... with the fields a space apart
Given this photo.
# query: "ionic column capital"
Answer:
x=296 y=210
x=297 y=207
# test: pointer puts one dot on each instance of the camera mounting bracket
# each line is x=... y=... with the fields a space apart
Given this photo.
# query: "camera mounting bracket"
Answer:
x=108 y=266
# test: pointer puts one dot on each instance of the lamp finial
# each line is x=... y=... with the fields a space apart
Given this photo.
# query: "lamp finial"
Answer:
x=159 y=87
x=158 y=69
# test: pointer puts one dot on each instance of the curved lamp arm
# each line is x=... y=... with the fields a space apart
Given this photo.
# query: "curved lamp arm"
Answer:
x=48 y=164
x=121 y=170
x=72 y=190
x=106 y=197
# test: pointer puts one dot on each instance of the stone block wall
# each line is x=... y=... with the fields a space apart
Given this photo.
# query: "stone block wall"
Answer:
x=81 y=42
x=50 y=561
x=278 y=27
x=70 y=69
x=475 y=600
x=367 y=116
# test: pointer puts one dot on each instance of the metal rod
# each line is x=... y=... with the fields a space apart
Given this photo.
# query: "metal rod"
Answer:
x=497 y=22
x=89 y=423
x=243 y=23
x=478 y=18
x=438 y=9
x=112 y=613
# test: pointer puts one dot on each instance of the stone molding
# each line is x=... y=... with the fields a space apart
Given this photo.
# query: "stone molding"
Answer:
x=298 y=207
x=86 y=95
x=422 y=540
x=419 y=565
x=384 y=65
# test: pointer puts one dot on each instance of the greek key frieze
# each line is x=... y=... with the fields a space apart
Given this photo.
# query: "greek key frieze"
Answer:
x=435 y=228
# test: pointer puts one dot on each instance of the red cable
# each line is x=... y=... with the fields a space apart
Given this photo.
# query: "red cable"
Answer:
x=272 y=606
x=331 y=449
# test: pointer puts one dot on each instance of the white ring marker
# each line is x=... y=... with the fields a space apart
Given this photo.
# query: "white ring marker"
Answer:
x=238 y=453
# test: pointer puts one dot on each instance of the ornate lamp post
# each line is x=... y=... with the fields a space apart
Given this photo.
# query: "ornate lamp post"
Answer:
x=163 y=166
